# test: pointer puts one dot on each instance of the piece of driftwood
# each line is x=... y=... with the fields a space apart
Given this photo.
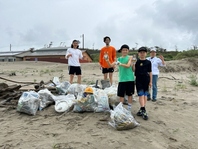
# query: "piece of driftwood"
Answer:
x=173 y=78
x=17 y=81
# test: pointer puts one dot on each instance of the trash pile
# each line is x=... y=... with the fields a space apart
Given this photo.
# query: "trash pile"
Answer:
x=70 y=97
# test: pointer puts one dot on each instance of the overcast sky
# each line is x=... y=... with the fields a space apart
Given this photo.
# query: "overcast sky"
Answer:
x=34 y=23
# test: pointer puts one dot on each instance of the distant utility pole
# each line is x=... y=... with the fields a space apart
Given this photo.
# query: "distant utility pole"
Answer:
x=83 y=40
x=10 y=47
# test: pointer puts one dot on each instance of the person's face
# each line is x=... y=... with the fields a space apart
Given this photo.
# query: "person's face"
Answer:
x=125 y=51
x=107 y=41
x=75 y=44
x=152 y=53
x=142 y=54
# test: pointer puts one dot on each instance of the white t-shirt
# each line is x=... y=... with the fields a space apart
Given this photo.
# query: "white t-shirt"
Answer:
x=74 y=59
x=156 y=62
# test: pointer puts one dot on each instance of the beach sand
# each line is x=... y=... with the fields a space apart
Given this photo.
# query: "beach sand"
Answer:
x=172 y=123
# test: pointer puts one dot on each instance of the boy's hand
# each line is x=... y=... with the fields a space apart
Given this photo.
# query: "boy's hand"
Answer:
x=117 y=63
x=69 y=55
x=150 y=84
x=161 y=57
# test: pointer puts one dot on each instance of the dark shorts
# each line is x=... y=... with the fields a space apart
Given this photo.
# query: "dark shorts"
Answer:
x=142 y=84
x=74 y=70
x=125 y=88
x=107 y=70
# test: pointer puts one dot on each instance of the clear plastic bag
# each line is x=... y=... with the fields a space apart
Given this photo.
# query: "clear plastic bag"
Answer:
x=63 y=103
x=85 y=104
x=46 y=97
x=63 y=87
x=112 y=95
x=122 y=119
x=76 y=89
x=28 y=103
x=102 y=100
x=105 y=83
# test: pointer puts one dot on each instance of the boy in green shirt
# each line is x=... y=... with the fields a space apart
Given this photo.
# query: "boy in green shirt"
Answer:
x=126 y=75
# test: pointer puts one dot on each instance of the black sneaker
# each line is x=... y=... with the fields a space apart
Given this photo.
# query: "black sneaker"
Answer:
x=148 y=99
x=140 y=112
x=154 y=100
x=144 y=115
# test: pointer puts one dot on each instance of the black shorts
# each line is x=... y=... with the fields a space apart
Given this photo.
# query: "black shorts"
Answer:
x=107 y=70
x=142 y=83
x=74 y=70
x=125 y=88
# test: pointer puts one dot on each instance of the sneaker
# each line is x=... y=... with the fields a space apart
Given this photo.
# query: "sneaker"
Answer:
x=154 y=100
x=144 y=115
x=139 y=113
x=148 y=99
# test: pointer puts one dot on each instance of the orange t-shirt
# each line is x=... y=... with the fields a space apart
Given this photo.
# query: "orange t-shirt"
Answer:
x=111 y=51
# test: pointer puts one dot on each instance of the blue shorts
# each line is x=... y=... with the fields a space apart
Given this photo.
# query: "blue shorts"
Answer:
x=142 y=93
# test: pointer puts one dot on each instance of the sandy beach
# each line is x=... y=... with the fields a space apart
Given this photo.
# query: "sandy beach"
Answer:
x=172 y=120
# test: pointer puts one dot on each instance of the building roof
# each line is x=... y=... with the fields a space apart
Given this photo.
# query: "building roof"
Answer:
x=10 y=53
x=46 y=52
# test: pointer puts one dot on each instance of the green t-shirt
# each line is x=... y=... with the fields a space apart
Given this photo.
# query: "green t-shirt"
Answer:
x=125 y=73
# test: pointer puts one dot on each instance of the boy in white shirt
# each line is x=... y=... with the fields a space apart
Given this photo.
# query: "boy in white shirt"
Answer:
x=73 y=55
x=155 y=62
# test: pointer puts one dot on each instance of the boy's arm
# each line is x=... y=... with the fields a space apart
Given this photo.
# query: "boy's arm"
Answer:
x=114 y=55
x=150 y=75
x=67 y=54
x=110 y=64
x=101 y=57
x=128 y=64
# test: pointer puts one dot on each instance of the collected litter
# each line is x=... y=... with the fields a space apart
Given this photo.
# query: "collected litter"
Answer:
x=122 y=119
x=64 y=103
x=46 y=98
x=86 y=102
x=112 y=95
x=28 y=103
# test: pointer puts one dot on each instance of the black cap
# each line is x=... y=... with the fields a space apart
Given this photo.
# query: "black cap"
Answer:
x=142 y=49
x=123 y=46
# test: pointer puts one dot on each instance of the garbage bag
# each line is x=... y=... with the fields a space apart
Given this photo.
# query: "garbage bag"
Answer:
x=46 y=98
x=62 y=87
x=63 y=103
x=105 y=83
x=85 y=104
x=28 y=103
x=76 y=89
x=102 y=100
x=112 y=95
x=122 y=119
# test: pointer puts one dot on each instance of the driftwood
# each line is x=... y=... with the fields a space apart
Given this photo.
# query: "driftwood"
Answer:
x=173 y=78
x=18 y=81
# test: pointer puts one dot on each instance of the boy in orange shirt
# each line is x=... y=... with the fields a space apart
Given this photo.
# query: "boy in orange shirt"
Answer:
x=107 y=52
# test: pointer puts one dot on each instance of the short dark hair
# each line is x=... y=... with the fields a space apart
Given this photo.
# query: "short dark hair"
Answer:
x=73 y=42
x=104 y=39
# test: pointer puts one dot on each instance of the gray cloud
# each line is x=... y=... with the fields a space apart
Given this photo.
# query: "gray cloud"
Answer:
x=164 y=23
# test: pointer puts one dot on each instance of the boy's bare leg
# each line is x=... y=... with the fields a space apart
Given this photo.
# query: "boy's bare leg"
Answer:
x=122 y=99
x=79 y=79
x=71 y=79
x=111 y=78
x=141 y=100
x=105 y=76
x=130 y=99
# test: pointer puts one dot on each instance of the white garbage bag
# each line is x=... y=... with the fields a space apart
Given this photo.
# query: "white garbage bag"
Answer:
x=112 y=95
x=28 y=103
x=63 y=87
x=46 y=98
x=102 y=100
x=63 y=103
